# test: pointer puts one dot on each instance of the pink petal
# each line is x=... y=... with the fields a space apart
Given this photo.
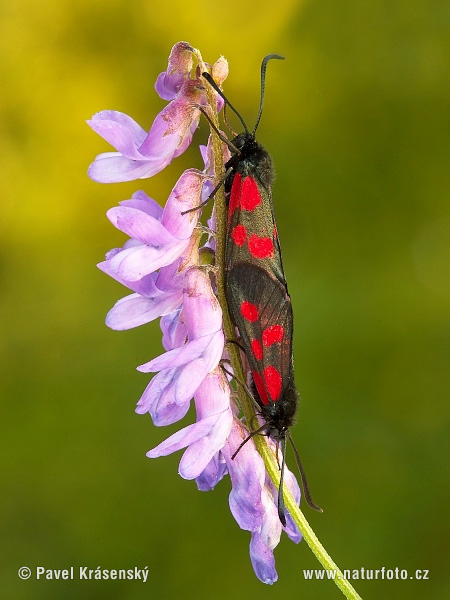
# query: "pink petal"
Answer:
x=118 y=168
x=134 y=263
x=185 y=195
x=247 y=472
x=140 y=226
x=199 y=454
x=135 y=310
x=179 y=67
x=177 y=357
x=120 y=130
x=263 y=560
x=201 y=307
x=184 y=437
x=142 y=202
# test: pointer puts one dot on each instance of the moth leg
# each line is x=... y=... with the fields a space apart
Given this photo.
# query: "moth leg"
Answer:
x=236 y=343
x=204 y=228
x=226 y=141
x=241 y=383
x=212 y=194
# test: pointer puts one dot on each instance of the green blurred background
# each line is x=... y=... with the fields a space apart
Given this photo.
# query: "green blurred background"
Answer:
x=358 y=123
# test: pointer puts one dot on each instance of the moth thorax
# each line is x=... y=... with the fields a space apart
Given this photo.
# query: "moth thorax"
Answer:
x=252 y=159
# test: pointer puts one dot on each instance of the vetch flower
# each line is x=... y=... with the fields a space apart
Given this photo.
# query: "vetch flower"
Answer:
x=182 y=369
x=205 y=438
x=162 y=264
x=141 y=154
x=156 y=242
x=179 y=67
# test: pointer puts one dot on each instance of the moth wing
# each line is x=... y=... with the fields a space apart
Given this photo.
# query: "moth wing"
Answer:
x=252 y=234
x=267 y=334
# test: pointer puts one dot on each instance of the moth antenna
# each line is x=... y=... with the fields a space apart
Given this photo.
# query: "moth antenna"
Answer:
x=304 y=482
x=281 y=507
x=263 y=85
x=214 y=85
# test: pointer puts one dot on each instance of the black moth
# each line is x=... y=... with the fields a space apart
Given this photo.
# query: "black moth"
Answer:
x=256 y=288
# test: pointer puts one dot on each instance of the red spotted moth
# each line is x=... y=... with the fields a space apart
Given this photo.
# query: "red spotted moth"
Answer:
x=256 y=289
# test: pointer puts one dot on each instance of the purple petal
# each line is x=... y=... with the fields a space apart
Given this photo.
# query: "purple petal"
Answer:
x=199 y=454
x=134 y=263
x=174 y=331
x=165 y=412
x=247 y=477
x=263 y=560
x=213 y=396
x=124 y=134
x=154 y=389
x=270 y=528
x=135 y=310
x=291 y=528
x=142 y=202
x=195 y=372
x=173 y=275
x=186 y=436
x=120 y=130
x=201 y=307
x=183 y=381
x=212 y=474
x=171 y=128
x=145 y=287
x=158 y=399
x=179 y=67
x=180 y=356
x=116 y=168
x=185 y=195
x=140 y=226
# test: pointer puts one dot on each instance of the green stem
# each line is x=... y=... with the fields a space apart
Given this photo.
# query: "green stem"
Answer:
x=247 y=407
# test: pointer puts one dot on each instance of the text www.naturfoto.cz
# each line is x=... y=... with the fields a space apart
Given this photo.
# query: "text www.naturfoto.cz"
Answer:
x=363 y=573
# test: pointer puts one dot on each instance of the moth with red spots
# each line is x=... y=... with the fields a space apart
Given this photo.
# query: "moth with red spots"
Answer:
x=256 y=289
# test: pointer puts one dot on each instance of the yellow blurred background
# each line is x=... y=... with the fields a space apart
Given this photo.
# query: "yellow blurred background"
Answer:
x=357 y=120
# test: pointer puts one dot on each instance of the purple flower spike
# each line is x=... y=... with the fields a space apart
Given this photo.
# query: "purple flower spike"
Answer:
x=163 y=263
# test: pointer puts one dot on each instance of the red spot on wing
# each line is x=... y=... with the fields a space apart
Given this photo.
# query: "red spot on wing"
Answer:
x=260 y=247
x=273 y=381
x=257 y=349
x=249 y=311
x=239 y=235
x=272 y=335
x=235 y=195
x=250 y=196
x=260 y=386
